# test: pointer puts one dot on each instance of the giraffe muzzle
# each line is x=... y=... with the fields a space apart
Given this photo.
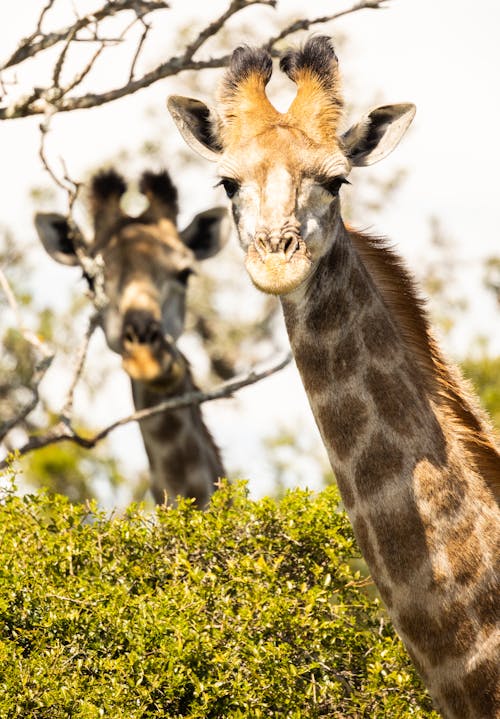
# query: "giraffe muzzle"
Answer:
x=278 y=261
x=148 y=355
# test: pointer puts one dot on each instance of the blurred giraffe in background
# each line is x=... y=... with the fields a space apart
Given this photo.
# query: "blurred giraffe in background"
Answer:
x=146 y=266
x=414 y=457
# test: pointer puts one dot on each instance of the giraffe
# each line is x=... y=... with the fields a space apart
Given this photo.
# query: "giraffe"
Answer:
x=146 y=265
x=413 y=454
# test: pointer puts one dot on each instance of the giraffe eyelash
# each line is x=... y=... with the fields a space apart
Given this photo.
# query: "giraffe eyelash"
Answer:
x=333 y=184
x=231 y=186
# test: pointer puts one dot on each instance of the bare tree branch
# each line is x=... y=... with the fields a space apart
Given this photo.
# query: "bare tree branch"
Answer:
x=30 y=46
x=63 y=432
x=36 y=102
x=27 y=41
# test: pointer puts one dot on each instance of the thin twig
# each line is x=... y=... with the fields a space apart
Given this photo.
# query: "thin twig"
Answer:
x=42 y=16
x=70 y=186
x=79 y=77
x=44 y=131
x=81 y=356
x=60 y=60
x=305 y=24
x=62 y=432
x=140 y=44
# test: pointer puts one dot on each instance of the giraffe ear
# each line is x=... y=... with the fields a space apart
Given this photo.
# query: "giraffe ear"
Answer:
x=195 y=122
x=207 y=233
x=54 y=233
x=377 y=133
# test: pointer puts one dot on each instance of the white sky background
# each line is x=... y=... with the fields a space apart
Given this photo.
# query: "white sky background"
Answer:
x=441 y=54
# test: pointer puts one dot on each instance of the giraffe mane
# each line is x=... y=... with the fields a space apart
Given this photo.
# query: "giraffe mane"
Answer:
x=444 y=382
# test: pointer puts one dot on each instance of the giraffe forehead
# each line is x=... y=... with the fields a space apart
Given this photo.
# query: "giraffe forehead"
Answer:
x=286 y=148
x=144 y=250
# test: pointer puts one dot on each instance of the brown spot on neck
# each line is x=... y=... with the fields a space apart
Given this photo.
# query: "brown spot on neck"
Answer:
x=401 y=538
x=482 y=685
x=446 y=635
x=313 y=360
x=342 y=424
x=380 y=463
x=394 y=399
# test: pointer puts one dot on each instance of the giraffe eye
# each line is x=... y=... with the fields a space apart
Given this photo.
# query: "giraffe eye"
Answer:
x=231 y=186
x=333 y=185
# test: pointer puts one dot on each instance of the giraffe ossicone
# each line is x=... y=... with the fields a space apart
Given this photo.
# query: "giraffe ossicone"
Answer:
x=414 y=456
x=147 y=262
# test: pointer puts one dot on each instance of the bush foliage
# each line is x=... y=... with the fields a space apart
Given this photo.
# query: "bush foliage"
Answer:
x=250 y=609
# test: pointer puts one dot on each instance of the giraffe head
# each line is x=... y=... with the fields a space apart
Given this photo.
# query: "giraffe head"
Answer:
x=283 y=171
x=146 y=266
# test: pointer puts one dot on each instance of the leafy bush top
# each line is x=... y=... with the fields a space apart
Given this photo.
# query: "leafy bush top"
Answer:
x=251 y=609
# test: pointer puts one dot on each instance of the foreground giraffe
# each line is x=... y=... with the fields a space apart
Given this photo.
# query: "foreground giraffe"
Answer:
x=414 y=458
x=147 y=263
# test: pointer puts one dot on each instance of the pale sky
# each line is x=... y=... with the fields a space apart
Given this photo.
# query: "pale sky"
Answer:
x=442 y=55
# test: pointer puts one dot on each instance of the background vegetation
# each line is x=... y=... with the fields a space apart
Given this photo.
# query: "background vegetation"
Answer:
x=249 y=610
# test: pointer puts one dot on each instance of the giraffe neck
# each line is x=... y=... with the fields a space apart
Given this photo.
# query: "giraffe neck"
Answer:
x=423 y=516
x=183 y=457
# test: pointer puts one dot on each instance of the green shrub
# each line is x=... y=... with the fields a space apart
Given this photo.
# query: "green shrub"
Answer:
x=251 y=609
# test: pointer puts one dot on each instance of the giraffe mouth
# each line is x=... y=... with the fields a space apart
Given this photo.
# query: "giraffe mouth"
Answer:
x=163 y=370
x=279 y=271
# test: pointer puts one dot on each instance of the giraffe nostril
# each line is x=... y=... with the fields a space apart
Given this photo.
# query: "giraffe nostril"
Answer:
x=141 y=328
x=154 y=335
x=289 y=244
x=129 y=335
x=261 y=243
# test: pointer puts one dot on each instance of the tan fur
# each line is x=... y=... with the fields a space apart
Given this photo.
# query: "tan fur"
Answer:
x=315 y=110
x=246 y=112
